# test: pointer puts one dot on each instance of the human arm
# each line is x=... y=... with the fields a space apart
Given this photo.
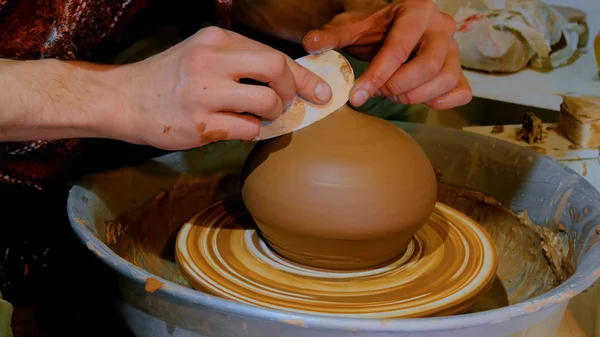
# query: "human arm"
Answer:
x=414 y=58
x=185 y=97
x=52 y=99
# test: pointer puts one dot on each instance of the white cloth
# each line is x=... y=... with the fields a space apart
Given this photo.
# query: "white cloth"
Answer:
x=508 y=35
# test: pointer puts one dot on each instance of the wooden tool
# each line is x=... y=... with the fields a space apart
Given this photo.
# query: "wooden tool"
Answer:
x=335 y=69
x=579 y=120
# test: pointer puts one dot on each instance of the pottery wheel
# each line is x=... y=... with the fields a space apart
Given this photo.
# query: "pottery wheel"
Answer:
x=449 y=262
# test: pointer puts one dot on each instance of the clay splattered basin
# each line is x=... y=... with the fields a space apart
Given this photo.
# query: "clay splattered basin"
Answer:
x=519 y=178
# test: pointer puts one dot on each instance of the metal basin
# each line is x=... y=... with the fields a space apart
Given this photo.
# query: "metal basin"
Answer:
x=517 y=177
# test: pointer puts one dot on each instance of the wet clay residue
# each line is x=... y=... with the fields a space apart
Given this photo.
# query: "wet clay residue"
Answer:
x=538 y=149
x=146 y=236
x=212 y=135
x=532 y=259
x=295 y=115
x=498 y=129
x=288 y=121
x=532 y=129
x=153 y=285
x=346 y=69
x=556 y=246
x=347 y=72
x=296 y=322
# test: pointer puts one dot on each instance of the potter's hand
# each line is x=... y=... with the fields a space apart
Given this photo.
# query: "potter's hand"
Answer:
x=414 y=56
x=191 y=94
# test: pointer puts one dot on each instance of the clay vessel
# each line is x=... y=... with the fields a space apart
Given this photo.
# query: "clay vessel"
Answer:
x=347 y=192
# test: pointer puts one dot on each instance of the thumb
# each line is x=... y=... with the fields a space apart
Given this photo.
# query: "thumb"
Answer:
x=331 y=36
x=309 y=85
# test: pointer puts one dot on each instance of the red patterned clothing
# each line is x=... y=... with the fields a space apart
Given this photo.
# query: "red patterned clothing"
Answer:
x=42 y=263
x=87 y=30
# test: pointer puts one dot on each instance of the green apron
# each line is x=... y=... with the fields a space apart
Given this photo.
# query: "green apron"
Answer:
x=6 y=310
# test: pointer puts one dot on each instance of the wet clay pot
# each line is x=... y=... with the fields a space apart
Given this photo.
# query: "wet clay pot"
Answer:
x=347 y=192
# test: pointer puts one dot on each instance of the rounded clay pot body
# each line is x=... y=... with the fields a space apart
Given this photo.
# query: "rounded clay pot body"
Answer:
x=347 y=192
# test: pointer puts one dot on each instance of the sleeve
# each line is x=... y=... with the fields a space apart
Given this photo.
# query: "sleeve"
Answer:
x=6 y=310
x=38 y=163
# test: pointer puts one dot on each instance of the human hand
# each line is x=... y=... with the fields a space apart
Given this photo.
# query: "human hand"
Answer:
x=191 y=94
x=414 y=56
